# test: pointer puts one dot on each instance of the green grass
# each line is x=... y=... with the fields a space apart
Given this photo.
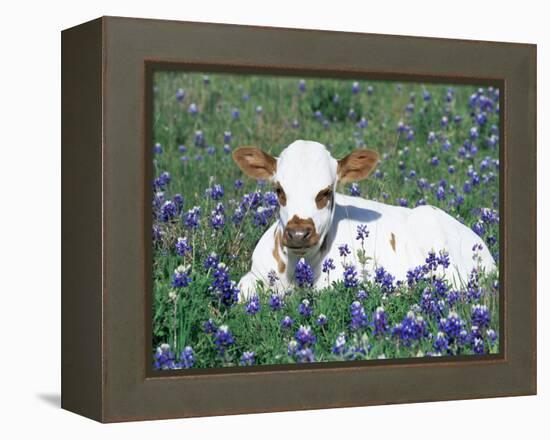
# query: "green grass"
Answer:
x=180 y=322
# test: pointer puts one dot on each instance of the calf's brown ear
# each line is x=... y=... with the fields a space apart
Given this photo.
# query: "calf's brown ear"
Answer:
x=255 y=163
x=357 y=165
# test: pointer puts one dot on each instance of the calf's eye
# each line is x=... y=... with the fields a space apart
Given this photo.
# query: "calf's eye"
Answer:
x=323 y=197
x=280 y=194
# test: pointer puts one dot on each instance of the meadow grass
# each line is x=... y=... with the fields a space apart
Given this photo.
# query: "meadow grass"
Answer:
x=450 y=163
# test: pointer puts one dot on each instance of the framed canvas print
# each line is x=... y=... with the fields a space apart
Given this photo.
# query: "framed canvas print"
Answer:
x=263 y=219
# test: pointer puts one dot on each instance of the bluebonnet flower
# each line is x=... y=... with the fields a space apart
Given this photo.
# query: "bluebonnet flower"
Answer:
x=253 y=305
x=358 y=316
x=361 y=295
x=199 y=138
x=339 y=346
x=442 y=259
x=193 y=109
x=411 y=328
x=183 y=247
x=441 y=344
x=295 y=123
x=431 y=137
x=403 y=202
x=217 y=221
x=168 y=211
x=384 y=279
x=209 y=327
x=223 y=339
x=192 y=218
x=363 y=122
x=158 y=200
x=336 y=99
x=235 y=113
x=162 y=180
x=415 y=275
x=206 y=80
x=328 y=265
x=479 y=228
x=187 y=357
x=287 y=322
x=355 y=88
x=303 y=273
x=238 y=184
x=370 y=90
x=275 y=302
x=178 y=201
x=305 y=308
x=180 y=95
x=271 y=198
x=444 y=121
x=451 y=169
x=182 y=149
x=157 y=148
x=272 y=277
x=227 y=136
x=321 y=320
x=304 y=355
x=216 y=192
x=247 y=358
x=238 y=215
x=430 y=303
x=181 y=276
x=211 y=150
x=344 y=250
x=354 y=189
x=434 y=161
x=380 y=321
x=164 y=358
x=410 y=135
x=304 y=336
x=478 y=345
x=440 y=194
x=211 y=261
x=302 y=85
x=350 y=276
x=259 y=109
x=262 y=215
x=452 y=326
x=426 y=95
x=474 y=134
x=480 y=316
x=432 y=261
x=223 y=287
x=362 y=233
x=491 y=336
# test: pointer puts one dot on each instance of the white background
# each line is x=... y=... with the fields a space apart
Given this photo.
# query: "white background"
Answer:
x=30 y=218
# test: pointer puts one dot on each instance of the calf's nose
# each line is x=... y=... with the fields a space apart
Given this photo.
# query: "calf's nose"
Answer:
x=298 y=236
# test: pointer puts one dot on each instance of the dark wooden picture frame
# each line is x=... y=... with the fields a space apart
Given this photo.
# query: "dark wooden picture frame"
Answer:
x=106 y=255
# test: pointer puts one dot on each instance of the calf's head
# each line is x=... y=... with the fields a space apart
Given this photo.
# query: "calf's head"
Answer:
x=304 y=177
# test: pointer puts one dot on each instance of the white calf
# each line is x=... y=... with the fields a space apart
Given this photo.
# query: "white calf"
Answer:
x=314 y=221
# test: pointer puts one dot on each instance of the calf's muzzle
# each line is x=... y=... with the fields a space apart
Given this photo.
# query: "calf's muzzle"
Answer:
x=300 y=233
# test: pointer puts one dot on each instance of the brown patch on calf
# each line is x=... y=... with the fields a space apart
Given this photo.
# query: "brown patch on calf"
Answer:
x=323 y=197
x=281 y=266
x=297 y=223
x=392 y=241
x=281 y=195
x=357 y=165
x=255 y=163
